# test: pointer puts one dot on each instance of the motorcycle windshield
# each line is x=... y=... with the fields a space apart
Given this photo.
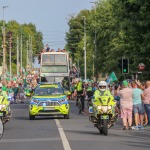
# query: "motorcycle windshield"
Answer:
x=104 y=100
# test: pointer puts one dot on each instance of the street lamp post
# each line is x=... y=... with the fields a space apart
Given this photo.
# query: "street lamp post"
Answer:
x=4 y=46
x=21 y=50
x=95 y=47
x=9 y=36
x=85 y=75
x=17 y=56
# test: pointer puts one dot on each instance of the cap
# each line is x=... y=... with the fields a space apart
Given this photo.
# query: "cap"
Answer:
x=125 y=83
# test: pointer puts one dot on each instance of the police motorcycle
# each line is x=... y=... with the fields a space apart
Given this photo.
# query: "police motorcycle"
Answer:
x=5 y=112
x=102 y=113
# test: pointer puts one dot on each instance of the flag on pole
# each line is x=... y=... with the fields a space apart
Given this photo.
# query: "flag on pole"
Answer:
x=112 y=78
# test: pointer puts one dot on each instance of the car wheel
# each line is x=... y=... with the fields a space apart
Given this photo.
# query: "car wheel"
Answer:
x=66 y=116
x=31 y=117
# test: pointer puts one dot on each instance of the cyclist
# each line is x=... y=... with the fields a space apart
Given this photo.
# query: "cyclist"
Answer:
x=80 y=92
x=89 y=92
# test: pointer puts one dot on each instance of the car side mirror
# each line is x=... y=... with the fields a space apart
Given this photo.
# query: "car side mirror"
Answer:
x=28 y=94
x=67 y=92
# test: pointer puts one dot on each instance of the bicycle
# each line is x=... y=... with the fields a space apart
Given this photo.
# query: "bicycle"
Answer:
x=79 y=103
x=89 y=97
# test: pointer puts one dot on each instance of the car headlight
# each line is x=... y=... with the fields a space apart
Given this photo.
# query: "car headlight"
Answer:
x=35 y=101
x=2 y=106
x=62 y=100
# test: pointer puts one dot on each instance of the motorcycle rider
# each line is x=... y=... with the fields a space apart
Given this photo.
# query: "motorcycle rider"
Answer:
x=4 y=100
x=102 y=91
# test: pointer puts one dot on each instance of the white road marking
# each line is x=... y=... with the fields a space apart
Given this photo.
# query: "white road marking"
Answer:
x=63 y=136
x=29 y=140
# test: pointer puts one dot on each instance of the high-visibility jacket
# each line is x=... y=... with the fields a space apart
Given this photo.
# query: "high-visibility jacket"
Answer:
x=79 y=86
x=4 y=94
x=99 y=93
x=89 y=88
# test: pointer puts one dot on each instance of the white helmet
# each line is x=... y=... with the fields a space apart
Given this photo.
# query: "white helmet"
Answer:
x=102 y=84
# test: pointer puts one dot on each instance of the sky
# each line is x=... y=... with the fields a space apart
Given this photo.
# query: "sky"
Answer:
x=49 y=16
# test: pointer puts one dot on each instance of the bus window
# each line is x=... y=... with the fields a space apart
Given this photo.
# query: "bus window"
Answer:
x=45 y=59
x=60 y=58
x=52 y=58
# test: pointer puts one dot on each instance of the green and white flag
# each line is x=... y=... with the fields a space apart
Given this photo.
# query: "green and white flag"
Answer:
x=112 y=78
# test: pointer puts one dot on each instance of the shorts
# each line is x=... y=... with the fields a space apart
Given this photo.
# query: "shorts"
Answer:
x=138 y=108
x=126 y=112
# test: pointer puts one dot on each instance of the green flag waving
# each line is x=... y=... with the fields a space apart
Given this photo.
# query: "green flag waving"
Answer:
x=112 y=78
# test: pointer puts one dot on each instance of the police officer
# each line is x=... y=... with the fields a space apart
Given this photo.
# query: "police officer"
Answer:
x=80 y=91
x=102 y=90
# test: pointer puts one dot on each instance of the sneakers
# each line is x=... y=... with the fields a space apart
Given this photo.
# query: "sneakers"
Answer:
x=142 y=127
x=135 y=128
x=124 y=128
x=130 y=128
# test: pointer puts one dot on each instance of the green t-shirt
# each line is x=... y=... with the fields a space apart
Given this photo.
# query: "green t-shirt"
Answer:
x=15 y=89
x=8 y=79
x=4 y=88
x=14 y=78
x=10 y=90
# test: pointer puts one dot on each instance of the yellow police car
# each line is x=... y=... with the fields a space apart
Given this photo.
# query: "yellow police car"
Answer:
x=49 y=99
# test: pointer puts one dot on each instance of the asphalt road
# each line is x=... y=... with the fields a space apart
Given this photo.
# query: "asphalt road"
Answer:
x=76 y=133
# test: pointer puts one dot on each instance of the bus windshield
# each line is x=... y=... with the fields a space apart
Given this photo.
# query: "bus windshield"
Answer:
x=53 y=59
x=54 y=69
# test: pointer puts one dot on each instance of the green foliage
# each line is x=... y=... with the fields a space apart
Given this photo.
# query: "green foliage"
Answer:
x=122 y=29
x=28 y=33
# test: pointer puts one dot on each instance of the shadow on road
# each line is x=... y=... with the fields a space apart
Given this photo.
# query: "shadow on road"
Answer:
x=83 y=132
x=37 y=118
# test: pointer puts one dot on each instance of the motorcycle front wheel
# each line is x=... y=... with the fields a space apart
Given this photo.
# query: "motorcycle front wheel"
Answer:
x=1 y=129
x=105 y=127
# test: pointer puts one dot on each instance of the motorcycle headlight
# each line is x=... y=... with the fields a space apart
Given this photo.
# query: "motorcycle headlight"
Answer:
x=99 y=107
x=2 y=106
x=104 y=108
x=109 y=107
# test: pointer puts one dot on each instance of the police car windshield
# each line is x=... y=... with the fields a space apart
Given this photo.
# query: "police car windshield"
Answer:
x=48 y=91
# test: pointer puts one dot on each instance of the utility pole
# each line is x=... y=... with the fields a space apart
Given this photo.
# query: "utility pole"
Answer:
x=9 y=37
x=85 y=76
x=4 y=46
x=18 y=57
x=27 y=53
x=21 y=50
x=95 y=46
x=31 y=51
